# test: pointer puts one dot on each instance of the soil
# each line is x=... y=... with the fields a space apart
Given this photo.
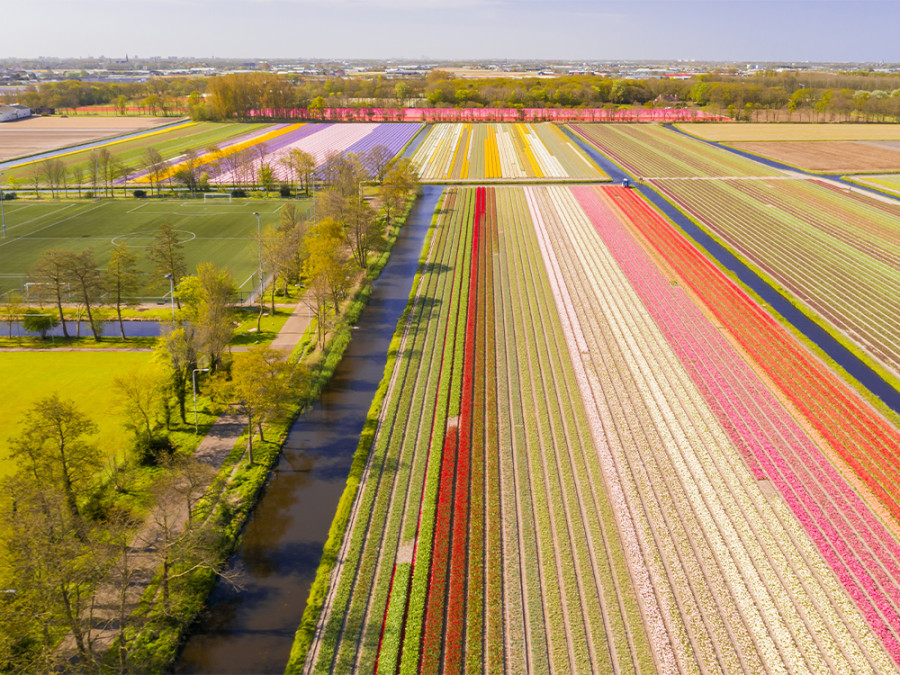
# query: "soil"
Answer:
x=830 y=156
x=40 y=134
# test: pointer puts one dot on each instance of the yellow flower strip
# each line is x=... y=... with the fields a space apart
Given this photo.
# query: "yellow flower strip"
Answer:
x=208 y=157
x=523 y=131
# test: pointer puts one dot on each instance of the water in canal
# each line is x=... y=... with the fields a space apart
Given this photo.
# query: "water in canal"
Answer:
x=251 y=630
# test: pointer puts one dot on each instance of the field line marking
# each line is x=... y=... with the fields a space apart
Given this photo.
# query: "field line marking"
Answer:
x=25 y=236
x=26 y=222
x=139 y=206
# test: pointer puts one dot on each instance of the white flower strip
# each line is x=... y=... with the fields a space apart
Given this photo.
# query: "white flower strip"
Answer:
x=509 y=162
x=730 y=508
x=640 y=573
x=550 y=165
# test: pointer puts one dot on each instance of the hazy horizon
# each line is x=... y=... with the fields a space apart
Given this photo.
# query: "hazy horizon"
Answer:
x=702 y=30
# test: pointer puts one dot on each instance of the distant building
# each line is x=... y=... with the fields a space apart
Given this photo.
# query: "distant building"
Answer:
x=8 y=113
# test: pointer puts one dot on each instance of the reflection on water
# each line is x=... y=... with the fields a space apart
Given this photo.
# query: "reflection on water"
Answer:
x=251 y=630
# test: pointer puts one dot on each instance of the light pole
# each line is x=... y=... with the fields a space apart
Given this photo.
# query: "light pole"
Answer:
x=172 y=293
x=194 y=381
x=2 y=212
x=259 y=288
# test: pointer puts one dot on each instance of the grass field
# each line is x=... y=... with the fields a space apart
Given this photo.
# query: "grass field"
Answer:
x=729 y=133
x=220 y=232
x=889 y=182
x=85 y=377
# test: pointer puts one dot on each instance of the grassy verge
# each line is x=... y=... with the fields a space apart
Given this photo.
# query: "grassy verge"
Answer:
x=319 y=588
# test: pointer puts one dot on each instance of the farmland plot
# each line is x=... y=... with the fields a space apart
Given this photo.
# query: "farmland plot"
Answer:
x=652 y=151
x=562 y=481
x=501 y=151
x=833 y=253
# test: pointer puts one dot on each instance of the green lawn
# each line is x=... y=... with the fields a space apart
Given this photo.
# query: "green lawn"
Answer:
x=84 y=377
x=220 y=232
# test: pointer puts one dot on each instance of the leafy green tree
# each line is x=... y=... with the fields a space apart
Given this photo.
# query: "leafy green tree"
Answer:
x=327 y=269
x=35 y=321
x=263 y=383
x=207 y=299
x=52 y=446
x=177 y=351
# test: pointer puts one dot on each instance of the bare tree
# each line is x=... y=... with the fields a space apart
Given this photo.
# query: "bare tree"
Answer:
x=52 y=278
x=86 y=282
x=121 y=279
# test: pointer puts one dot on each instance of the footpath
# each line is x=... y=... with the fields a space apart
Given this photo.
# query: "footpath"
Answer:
x=143 y=552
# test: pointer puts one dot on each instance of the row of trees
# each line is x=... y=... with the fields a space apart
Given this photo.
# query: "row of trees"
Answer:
x=234 y=96
x=67 y=277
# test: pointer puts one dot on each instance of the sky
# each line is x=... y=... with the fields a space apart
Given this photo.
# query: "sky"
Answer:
x=424 y=30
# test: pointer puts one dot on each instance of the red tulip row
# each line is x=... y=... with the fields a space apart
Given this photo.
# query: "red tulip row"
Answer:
x=861 y=551
x=447 y=589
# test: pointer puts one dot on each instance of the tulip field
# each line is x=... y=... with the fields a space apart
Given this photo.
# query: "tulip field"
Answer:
x=598 y=454
x=832 y=252
x=501 y=151
x=238 y=161
x=652 y=151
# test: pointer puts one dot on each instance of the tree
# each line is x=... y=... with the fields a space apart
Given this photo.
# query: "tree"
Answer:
x=327 y=270
x=121 y=279
x=167 y=255
x=176 y=349
x=400 y=182
x=363 y=232
x=305 y=165
x=266 y=177
x=37 y=322
x=86 y=282
x=54 y=565
x=208 y=301
x=263 y=383
x=155 y=167
x=52 y=447
x=12 y=309
x=139 y=396
x=51 y=275
x=377 y=160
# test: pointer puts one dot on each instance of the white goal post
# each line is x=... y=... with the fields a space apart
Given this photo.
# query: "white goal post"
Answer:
x=208 y=196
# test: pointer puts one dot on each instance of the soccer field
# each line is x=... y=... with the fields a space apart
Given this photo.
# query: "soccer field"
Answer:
x=218 y=231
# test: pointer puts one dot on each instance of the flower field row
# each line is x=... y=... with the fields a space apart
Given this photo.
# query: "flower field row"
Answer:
x=238 y=161
x=577 y=470
x=323 y=140
x=652 y=151
x=851 y=437
x=736 y=581
x=501 y=151
x=832 y=253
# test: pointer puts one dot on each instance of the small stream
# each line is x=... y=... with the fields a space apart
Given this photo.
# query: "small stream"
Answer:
x=252 y=630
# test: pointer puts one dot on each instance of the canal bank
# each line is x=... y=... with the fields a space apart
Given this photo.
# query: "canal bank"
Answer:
x=252 y=629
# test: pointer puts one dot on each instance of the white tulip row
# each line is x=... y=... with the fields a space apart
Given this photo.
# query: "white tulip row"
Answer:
x=728 y=581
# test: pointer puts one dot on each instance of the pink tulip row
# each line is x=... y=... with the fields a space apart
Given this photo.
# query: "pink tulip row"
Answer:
x=857 y=546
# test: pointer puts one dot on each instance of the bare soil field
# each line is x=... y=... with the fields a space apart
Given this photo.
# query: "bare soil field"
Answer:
x=828 y=156
x=730 y=133
x=40 y=134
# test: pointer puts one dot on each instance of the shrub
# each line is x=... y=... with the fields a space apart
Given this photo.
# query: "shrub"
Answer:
x=153 y=451
x=7 y=196
x=38 y=322
x=285 y=190
x=140 y=194
x=238 y=194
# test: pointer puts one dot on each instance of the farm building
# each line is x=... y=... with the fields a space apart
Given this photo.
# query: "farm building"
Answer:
x=8 y=113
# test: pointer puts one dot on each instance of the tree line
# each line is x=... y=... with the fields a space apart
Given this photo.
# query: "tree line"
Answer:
x=66 y=526
x=822 y=95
